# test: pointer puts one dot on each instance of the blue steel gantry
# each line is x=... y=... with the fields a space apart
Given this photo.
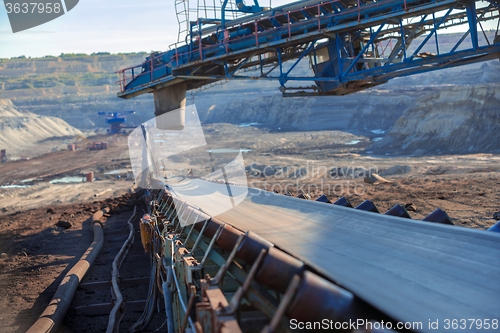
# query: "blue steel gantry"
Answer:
x=350 y=45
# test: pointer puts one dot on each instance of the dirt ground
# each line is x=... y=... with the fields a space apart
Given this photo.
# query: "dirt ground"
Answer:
x=26 y=184
x=35 y=252
x=466 y=187
x=335 y=164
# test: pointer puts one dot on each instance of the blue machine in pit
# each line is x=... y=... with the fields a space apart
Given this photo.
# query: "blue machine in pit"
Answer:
x=116 y=120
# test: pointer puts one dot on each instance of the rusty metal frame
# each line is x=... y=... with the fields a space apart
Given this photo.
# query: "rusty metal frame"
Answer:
x=233 y=254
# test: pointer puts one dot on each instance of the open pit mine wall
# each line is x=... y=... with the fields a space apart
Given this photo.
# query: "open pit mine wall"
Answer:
x=72 y=87
x=443 y=111
x=455 y=119
x=357 y=113
x=430 y=118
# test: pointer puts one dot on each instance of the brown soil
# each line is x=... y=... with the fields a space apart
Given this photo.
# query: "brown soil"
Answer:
x=35 y=253
x=64 y=162
x=38 y=171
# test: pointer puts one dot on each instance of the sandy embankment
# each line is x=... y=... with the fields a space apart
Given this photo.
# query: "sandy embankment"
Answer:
x=22 y=132
x=25 y=184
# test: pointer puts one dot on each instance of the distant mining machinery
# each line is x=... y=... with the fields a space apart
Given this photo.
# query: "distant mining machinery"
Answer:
x=116 y=120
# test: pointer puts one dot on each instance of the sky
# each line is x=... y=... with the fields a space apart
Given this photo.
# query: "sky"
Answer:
x=100 y=26
x=97 y=26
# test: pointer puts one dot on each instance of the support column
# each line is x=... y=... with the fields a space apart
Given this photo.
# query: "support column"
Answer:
x=472 y=19
x=170 y=106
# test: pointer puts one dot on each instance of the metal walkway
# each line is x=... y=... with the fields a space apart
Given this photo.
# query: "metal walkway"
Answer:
x=350 y=45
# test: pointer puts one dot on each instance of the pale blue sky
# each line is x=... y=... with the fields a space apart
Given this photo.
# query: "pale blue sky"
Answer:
x=93 y=26
x=97 y=26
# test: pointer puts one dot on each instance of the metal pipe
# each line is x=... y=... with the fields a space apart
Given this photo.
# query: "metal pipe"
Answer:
x=189 y=307
x=167 y=296
x=336 y=302
x=118 y=310
x=179 y=297
x=251 y=246
x=278 y=269
x=54 y=313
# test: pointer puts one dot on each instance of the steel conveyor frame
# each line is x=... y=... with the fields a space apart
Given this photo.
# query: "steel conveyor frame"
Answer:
x=291 y=259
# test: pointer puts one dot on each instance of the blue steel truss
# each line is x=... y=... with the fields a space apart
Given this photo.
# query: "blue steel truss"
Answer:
x=350 y=45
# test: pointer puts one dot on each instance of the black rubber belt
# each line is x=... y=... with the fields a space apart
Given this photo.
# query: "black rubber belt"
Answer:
x=411 y=270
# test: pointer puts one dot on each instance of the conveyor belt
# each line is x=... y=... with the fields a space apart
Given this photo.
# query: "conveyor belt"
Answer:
x=411 y=270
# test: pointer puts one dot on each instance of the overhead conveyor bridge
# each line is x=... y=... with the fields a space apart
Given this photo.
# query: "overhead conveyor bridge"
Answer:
x=350 y=45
